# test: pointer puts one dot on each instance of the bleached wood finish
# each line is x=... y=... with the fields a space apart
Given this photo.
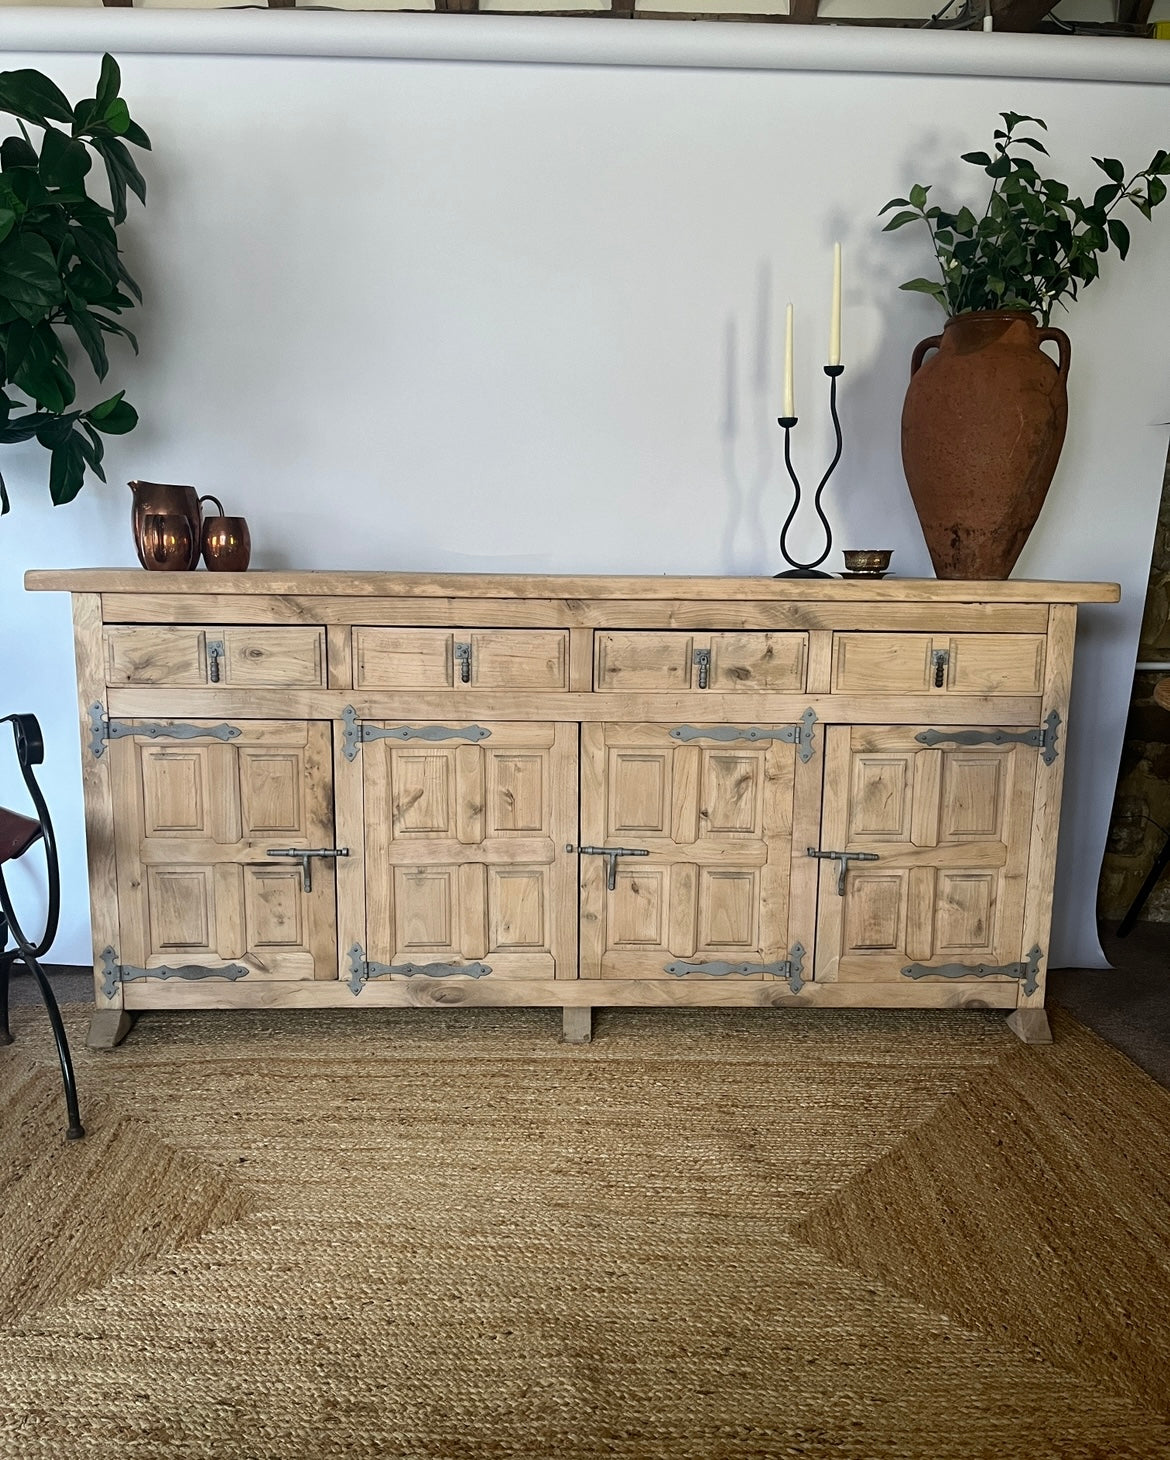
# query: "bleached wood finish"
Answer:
x=341 y=717
x=89 y=653
x=604 y=586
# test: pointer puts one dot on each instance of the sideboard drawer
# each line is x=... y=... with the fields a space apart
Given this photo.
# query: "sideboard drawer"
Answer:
x=967 y=664
x=428 y=659
x=242 y=655
x=757 y=661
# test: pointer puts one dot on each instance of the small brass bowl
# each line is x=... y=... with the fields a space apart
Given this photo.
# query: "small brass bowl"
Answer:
x=867 y=562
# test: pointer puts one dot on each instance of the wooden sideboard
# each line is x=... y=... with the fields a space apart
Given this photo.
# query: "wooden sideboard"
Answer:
x=353 y=789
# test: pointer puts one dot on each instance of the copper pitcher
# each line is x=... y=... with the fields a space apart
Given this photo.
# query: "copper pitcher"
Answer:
x=168 y=543
x=163 y=499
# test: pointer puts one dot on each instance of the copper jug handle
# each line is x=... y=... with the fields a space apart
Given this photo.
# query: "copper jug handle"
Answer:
x=1062 y=343
x=209 y=498
x=920 y=350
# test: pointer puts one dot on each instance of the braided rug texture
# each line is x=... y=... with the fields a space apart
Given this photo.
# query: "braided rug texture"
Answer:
x=442 y=1234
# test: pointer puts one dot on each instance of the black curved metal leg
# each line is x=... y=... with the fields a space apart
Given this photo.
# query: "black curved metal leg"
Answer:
x=6 y=961
x=75 y=1129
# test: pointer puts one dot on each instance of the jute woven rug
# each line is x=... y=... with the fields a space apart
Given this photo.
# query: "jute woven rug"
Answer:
x=707 y=1235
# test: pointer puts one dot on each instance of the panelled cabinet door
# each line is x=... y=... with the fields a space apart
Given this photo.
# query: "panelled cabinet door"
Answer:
x=194 y=821
x=949 y=827
x=465 y=852
x=716 y=821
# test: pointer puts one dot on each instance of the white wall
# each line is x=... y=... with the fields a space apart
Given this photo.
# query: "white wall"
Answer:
x=429 y=314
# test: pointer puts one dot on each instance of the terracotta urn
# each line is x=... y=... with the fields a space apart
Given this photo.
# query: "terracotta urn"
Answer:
x=982 y=428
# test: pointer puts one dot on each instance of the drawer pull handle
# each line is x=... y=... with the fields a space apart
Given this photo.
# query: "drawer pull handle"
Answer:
x=214 y=655
x=939 y=659
x=703 y=660
x=463 y=657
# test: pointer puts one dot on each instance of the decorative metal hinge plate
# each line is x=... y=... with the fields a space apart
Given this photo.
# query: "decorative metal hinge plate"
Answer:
x=115 y=973
x=101 y=730
x=361 y=969
x=1044 y=739
x=789 y=970
x=357 y=731
x=1028 y=970
x=800 y=735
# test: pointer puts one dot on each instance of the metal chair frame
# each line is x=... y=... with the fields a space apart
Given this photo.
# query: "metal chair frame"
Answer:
x=30 y=751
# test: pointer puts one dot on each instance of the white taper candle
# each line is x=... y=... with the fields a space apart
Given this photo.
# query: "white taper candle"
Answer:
x=789 y=406
x=835 y=317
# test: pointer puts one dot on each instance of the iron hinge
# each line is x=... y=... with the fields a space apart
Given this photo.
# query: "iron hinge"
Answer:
x=362 y=969
x=800 y=734
x=1028 y=970
x=358 y=732
x=790 y=970
x=1044 y=738
x=115 y=973
x=102 y=729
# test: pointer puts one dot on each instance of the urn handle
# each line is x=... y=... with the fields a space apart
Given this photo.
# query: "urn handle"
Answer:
x=920 y=350
x=1062 y=343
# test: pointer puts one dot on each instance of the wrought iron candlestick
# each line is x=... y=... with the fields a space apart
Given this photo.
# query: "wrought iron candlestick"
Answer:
x=798 y=569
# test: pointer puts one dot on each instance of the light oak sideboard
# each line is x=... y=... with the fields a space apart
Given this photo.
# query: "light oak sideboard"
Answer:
x=352 y=789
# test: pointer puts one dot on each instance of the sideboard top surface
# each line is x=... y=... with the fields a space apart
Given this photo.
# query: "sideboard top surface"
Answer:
x=515 y=586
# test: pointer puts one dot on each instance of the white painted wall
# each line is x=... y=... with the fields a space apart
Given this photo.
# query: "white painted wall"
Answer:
x=473 y=314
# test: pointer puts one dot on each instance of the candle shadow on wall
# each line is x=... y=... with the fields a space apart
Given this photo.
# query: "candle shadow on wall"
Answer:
x=748 y=437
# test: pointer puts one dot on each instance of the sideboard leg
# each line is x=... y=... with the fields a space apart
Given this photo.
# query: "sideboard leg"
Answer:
x=1030 y=1025
x=578 y=1025
x=107 y=1028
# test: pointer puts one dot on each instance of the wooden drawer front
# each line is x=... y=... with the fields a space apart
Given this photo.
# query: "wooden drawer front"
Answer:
x=429 y=658
x=180 y=655
x=667 y=661
x=974 y=664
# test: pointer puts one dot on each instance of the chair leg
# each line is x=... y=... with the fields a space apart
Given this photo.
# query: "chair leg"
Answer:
x=6 y=962
x=1161 y=862
x=75 y=1129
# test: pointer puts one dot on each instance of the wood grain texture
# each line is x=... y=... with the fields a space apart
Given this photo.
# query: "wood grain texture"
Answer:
x=483 y=585
x=89 y=653
x=468 y=851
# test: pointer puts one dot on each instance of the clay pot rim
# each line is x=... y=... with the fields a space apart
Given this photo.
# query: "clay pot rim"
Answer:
x=980 y=314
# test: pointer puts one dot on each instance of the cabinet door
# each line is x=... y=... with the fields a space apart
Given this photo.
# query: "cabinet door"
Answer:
x=194 y=821
x=465 y=852
x=715 y=818
x=949 y=827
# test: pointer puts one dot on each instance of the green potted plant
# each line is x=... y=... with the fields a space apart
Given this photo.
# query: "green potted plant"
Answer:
x=985 y=416
x=62 y=279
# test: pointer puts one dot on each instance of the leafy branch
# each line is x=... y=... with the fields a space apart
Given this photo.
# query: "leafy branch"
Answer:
x=60 y=268
x=1036 y=245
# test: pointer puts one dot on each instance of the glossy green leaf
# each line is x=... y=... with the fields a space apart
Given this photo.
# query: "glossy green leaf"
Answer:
x=33 y=97
x=114 y=417
x=1112 y=169
x=899 y=220
x=109 y=84
x=28 y=271
x=88 y=331
x=66 y=471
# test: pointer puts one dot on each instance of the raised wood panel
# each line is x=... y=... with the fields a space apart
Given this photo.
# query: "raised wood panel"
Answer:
x=262 y=657
x=194 y=822
x=1000 y=664
x=425 y=659
x=976 y=664
x=465 y=851
x=948 y=828
x=272 y=657
x=641 y=661
x=165 y=656
x=715 y=820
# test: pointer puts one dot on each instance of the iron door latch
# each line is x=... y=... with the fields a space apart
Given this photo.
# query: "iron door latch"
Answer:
x=303 y=854
x=844 y=858
x=612 y=853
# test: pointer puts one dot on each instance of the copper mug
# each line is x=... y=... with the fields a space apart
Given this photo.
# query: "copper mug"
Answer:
x=167 y=542
x=226 y=542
